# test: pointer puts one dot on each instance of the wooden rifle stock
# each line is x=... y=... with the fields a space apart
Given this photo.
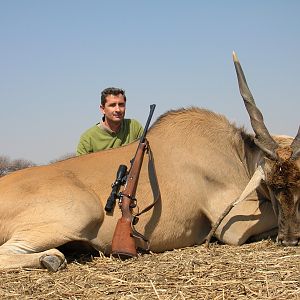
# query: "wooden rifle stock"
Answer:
x=123 y=243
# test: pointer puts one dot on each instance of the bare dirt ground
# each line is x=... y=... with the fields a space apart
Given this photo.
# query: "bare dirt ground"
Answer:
x=259 y=270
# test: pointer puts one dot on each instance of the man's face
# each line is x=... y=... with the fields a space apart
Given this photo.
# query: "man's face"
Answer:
x=114 y=108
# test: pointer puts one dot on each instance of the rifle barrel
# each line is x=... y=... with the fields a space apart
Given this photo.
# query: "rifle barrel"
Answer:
x=152 y=108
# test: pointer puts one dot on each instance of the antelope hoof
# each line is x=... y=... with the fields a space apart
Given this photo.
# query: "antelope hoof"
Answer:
x=53 y=263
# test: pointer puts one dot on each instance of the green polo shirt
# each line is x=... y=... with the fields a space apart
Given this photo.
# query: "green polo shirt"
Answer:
x=100 y=137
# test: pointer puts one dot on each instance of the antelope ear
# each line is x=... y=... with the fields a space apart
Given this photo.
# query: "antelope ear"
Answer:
x=253 y=184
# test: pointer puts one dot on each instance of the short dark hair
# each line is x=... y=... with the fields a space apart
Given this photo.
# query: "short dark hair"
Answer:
x=111 y=91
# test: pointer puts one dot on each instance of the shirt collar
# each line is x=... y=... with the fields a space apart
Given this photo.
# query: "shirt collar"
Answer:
x=102 y=126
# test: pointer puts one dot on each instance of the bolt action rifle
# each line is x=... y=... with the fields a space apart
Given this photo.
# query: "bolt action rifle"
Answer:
x=123 y=242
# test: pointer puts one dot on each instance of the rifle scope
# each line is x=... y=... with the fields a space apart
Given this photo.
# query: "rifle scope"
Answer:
x=110 y=203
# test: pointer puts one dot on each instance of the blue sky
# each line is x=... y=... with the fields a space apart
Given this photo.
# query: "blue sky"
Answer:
x=56 y=57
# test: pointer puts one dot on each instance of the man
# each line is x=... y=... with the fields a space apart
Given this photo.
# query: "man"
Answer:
x=114 y=130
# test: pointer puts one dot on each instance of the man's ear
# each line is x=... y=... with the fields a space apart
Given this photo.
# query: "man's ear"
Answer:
x=101 y=108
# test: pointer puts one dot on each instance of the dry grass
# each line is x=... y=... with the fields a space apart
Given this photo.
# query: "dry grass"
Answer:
x=260 y=270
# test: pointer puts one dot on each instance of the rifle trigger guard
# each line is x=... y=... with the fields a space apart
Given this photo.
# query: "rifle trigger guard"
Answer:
x=138 y=235
x=135 y=220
